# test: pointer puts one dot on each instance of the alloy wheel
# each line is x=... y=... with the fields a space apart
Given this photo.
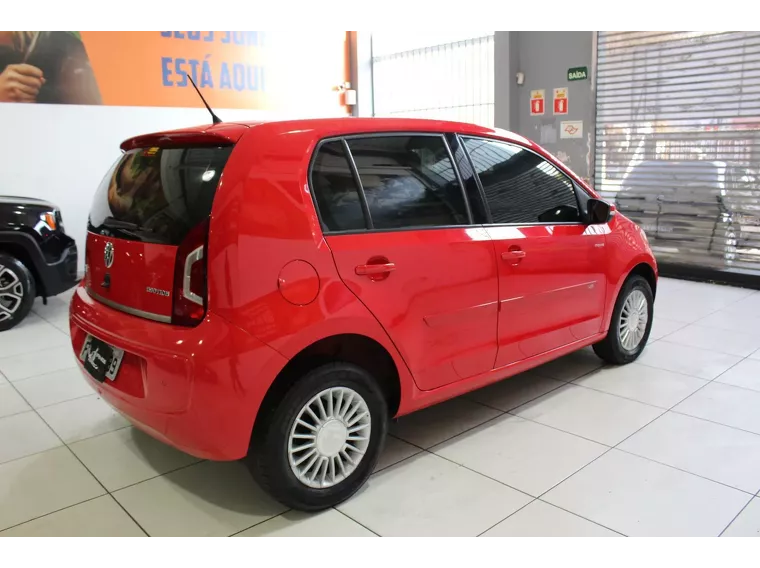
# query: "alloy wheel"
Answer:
x=633 y=320
x=329 y=437
x=11 y=293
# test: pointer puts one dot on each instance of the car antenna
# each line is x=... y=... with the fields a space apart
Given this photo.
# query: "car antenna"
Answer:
x=215 y=119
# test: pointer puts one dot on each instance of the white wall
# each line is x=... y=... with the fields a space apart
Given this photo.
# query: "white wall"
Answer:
x=61 y=152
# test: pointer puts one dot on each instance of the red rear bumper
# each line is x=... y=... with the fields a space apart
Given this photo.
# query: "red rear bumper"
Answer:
x=197 y=389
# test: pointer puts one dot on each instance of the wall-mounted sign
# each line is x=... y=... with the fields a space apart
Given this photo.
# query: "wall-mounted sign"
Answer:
x=560 y=100
x=577 y=74
x=235 y=70
x=537 y=102
x=571 y=129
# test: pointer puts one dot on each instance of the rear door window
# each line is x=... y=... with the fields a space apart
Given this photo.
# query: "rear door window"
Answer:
x=409 y=181
x=157 y=195
x=335 y=189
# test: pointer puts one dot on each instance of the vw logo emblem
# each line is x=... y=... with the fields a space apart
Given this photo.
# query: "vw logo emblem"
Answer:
x=108 y=255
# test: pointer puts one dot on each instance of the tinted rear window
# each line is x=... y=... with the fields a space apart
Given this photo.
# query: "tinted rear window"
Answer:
x=157 y=195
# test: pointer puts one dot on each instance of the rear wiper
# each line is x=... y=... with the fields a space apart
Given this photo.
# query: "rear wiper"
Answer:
x=112 y=223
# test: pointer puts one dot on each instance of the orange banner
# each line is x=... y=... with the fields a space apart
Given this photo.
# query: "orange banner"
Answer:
x=256 y=70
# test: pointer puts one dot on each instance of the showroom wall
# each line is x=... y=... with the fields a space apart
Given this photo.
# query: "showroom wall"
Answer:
x=544 y=59
x=60 y=152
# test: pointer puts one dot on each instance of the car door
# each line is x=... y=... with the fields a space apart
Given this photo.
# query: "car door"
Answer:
x=400 y=231
x=551 y=265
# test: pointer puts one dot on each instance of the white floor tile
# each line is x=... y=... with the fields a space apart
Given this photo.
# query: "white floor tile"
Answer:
x=644 y=384
x=395 y=451
x=638 y=497
x=700 y=363
x=542 y=519
x=55 y=387
x=437 y=423
x=749 y=305
x=732 y=321
x=56 y=308
x=27 y=365
x=40 y=484
x=570 y=367
x=527 y=456
x=3 y=380
x=755 y=355
x=723 y=341
x=725 y=404
x=746 y=375
x=704 y=448
x=328 y=523
x=748 y=521
x=206 y=499
x=590 y=414
x=662 y=327
x=515 y=391
x=128 y=456
x=98 y=517
x=23 y=435
x=32 y=335
x=82 y=418
x=430 y=496
x=11 y=402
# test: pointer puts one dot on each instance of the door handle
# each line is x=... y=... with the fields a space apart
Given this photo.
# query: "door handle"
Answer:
x=374 y=269
x=513 y=256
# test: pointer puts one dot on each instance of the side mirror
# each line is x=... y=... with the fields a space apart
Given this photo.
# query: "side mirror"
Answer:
x=598 y=212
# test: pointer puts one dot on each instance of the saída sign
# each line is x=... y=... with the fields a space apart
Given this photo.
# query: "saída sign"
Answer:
x=577 y=74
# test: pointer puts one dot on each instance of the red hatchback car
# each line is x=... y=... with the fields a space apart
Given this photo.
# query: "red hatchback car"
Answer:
x=278 y=291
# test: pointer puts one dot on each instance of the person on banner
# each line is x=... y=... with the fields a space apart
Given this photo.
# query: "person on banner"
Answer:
x=46 y=67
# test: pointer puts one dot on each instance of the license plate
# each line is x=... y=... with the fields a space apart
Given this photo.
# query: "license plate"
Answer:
x=101 y=360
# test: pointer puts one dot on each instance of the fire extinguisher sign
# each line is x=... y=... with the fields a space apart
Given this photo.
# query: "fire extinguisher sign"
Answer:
x=537 y=102
x=560 y=100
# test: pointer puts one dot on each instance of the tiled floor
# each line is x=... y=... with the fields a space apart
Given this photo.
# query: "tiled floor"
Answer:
x=669 y=445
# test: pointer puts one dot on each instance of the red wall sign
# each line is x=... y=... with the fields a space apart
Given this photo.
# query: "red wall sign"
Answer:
x=560 y=101
x=537 y=102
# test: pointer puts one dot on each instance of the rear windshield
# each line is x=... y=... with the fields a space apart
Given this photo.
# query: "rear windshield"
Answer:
x=158 y=195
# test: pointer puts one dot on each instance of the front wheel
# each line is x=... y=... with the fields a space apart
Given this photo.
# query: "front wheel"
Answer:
x=17 y=291
x=630 y=325
x=321 y=442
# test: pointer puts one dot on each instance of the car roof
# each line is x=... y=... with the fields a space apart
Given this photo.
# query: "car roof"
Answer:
x=326 y=127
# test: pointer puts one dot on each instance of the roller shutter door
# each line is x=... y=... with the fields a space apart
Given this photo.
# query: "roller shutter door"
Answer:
x=678 y=143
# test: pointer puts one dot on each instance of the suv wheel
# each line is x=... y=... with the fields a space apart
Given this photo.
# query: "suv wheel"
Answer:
x=630 y=325
x=17 y=291
x=322 y=441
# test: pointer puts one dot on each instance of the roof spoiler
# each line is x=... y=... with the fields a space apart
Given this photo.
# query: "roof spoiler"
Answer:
x=217 y=137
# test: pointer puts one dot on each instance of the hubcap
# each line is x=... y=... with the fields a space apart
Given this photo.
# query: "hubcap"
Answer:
x=329 y=437
x=633 y=320
x=11 y=293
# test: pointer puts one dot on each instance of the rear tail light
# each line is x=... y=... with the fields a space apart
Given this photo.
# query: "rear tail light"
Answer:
x=189 y=304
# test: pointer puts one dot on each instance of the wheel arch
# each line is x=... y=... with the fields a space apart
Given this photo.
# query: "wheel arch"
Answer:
x=360 y=350
x=645 y=270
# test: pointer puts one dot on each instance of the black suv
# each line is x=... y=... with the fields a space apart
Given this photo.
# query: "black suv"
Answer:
x=37 y=257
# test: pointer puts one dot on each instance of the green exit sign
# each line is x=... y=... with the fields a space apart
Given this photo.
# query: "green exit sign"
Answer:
x=577 y=74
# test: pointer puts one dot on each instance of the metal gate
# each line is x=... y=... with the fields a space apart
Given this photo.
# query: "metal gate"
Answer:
x=448 y=76
x=678 y=143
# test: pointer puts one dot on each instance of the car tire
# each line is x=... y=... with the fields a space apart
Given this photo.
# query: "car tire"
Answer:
x=281 y=448
x=17 y=291
x=627 y=337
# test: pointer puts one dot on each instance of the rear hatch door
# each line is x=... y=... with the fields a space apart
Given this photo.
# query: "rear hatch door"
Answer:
x=147 y=205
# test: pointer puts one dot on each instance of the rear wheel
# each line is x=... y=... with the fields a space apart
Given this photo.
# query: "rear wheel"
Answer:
x=630 y=325
x=17 y=291
x=321 y=442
